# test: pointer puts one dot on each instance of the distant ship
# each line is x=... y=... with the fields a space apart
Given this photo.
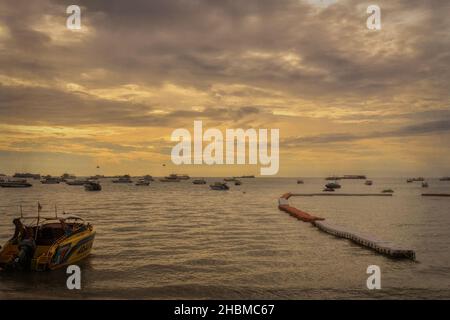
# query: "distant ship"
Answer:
x=67 y=176
x=219 y=186
x=348 y=177
x=333 y=185
x=419 y=179
x=124 y=179
x=171 y=178
x=51 y=180
x=15 y=184
x=27 y=175
x=93 y=186
x=199 y=181
x=77 y=182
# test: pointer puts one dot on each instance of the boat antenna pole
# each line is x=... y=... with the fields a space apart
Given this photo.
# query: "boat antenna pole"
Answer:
x=21 y=212
x=38 y=217
x=56 y=212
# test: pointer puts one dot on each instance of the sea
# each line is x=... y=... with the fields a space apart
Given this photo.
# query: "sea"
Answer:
x=186 y=241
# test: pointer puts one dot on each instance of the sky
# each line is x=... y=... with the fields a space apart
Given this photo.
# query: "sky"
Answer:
x=346 y=99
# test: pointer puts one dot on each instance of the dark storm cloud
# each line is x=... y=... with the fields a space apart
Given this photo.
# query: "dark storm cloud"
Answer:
x=201 y=42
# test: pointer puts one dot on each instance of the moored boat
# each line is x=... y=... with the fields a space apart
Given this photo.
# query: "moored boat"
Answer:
x=41 y=243
x=219 y=186
x=368 y=182
x=333 y=185
x=27 y=175
x=92 y=186
x=299 y=181
x=199 y=181
x=237 y=183
x=148 y=178
x=424 y=184
x=123 y=179
x=77 y=182
x=51 y=180
x=15 y=184
x=142 y=182
x=171 y=178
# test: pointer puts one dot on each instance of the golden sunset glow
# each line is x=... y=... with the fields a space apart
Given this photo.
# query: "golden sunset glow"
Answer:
x=346 y=99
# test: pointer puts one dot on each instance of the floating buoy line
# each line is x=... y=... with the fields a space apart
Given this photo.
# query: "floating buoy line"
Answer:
x=380 y=246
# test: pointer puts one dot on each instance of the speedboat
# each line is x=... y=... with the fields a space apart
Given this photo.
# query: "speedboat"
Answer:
x=15 y=184
x=237 y=183
x=219 y=186
x=409 y=180
x=199 y=181
x=124 y=179
x=92 y=186
x=333 y=185
x=77 y=182
x=300 y=181
x=50 y=180
x=171 y=178
x=41 y=243
x=148 y=178
x=67 y=176
x=142 y=182
x=368 y=182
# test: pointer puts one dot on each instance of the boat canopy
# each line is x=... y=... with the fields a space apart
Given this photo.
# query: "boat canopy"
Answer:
x=33 y=220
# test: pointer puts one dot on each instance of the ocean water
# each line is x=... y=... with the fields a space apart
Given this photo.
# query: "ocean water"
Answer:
x=185 y=241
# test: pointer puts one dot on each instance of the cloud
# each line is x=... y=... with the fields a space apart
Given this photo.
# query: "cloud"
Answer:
x=433 y=127
x=292 y=64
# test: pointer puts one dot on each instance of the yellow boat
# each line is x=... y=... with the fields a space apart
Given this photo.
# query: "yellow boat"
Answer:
x=41 y=243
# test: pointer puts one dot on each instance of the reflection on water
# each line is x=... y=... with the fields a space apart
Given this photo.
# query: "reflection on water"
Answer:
x=178 y=240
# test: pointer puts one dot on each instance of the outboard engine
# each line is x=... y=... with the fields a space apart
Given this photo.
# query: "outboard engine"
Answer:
x=25 y=255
